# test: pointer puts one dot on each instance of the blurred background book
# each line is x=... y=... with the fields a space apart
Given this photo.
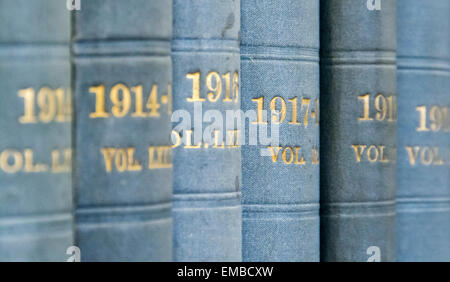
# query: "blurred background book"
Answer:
x=423 y=187
x=36 y=222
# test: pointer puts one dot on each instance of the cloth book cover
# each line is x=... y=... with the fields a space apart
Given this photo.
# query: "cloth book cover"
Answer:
x=122 y=78
x=207 y=174
x=280 y=157
x=358 y=130
x=423 y=192
x=36 y=222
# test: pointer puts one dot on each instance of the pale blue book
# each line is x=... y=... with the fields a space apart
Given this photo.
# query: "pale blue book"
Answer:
x=423 y=194
x=280 y=86
x=36 y=221
x=207 y=173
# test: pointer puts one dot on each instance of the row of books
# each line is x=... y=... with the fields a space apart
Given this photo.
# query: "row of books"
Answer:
x=224 y=130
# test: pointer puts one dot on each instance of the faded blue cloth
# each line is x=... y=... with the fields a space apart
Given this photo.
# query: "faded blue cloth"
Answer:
x=423 y=203
x=36 y=222
x=122 y=216
x=358 y=57
x=207 y=180
x=280 y=58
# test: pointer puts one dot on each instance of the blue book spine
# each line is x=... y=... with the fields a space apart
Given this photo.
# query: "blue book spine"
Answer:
x=358 y=130
x=36 y=222
x=207 y=172
x=423 y=195
x=122 y=77
x=280 y=85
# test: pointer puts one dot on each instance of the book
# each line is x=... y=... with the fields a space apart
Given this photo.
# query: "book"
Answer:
x=122 y=78
x=206 y=156
x=423 y=194
x=358 y=130
x=36 y=220
x=280 y=86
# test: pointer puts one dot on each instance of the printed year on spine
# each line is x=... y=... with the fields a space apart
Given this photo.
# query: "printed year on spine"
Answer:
x=120 y=100
x=217 y=85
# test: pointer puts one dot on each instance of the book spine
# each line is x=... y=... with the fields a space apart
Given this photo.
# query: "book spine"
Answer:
x=280 y=85
x=122 y=78
x=207 y=172
x=36 y=222
x=423 y=195
x=358 y=130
